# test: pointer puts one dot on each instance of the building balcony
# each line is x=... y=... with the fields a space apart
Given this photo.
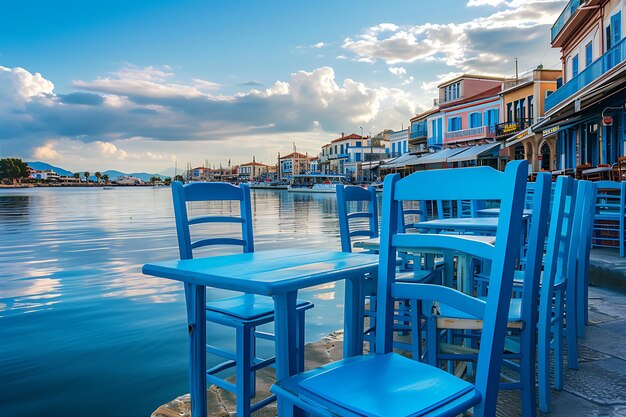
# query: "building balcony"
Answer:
x=419 y=133
x=599 y=67
x=471 y=133
x=564 y=17
x=432 y=141
x=508 y=128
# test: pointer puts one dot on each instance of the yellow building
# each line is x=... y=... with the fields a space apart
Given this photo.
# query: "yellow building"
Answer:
x=523 y=104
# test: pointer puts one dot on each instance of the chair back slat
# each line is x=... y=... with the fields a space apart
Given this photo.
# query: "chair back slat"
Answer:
x=217 y=241
x=215 y=219
x=211 y=191
x=361 y=214
x=480 y=183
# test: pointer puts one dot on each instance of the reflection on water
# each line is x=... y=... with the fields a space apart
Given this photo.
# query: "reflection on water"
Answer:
x=83 y=332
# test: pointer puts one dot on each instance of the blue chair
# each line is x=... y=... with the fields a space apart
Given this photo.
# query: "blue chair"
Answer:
x=582 y=277
x=522 y=317
x=245 y=312
x=387 y=384
x=550 y=331
x=347 y=198
x=608 y=227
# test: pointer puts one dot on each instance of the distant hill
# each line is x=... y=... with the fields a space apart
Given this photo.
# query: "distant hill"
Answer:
x=42 y=166
x=170 y=172
x=113 y=174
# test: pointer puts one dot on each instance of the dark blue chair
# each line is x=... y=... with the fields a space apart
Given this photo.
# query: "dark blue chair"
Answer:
x=522 y=317
x=366 y=204
x=387 y=384
x=245 y=312
x=554 y=283
x=610 y=212
x=582 y=266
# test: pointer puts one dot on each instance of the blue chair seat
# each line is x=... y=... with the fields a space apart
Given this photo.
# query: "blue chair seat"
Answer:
x=381 y=385
x=248 y=306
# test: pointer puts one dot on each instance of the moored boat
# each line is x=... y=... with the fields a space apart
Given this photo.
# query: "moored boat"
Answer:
x=269 y=185
x=315 y=183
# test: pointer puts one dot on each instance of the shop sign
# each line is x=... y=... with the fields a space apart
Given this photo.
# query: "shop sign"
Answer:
x=550 y=131
x=607 y=120
x=577 y=105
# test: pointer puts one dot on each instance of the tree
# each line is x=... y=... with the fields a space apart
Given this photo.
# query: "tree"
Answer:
x=179 y=178
x=86 y=174
x=154 y=179
x=105 y=177
x=167 y=181
x=77 y=175
x=98 y=176
x=13 y=169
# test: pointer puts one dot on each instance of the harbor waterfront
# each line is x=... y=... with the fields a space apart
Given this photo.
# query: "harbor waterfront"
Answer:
x=83 y=332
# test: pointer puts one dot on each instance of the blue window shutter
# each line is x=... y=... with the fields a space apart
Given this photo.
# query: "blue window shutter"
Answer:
x=588 y=54
x=616 y=24
x=575 y=66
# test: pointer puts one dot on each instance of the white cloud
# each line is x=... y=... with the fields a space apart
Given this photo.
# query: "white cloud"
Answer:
x=46 y=152
x=139 y=106
x=319 y=45
x=20 y=86
x=397 y=70
x=520 y=29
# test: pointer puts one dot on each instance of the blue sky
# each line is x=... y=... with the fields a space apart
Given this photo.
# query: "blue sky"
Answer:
x=137 y=85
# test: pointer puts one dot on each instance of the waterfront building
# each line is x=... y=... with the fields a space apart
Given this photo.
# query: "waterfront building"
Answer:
x=418 y=132
x=523 y=104
x=294 y=163
x=45 y=175
x=253 y=170
x=586 y=113
x=128 y=180
x=398 y=143
x=435 y=129
x=471 y=108
x=200 y=174
x=314 y=164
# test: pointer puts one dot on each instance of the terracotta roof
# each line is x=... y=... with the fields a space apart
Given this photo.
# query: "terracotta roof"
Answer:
x=425 y=114
x=257 y=164
x=350 y=136
x=294 y=155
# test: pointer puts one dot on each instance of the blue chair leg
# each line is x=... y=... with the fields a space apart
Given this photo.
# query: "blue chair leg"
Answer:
x=252 y=356
x=300 y=347
x=543 y=361
x=242 y=371
x=431 y=340
x=416 y=330
x=527 y=374
x=570 y=330
x=558 y=341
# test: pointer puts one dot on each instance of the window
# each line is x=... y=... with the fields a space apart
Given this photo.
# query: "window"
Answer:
x=358 y=143
x=575 y=66
x=509 y=112
x=357 y=157
x=393 y=148
x=531 y=109
x=454 y=124
x=522 y=109
x=405 y=147
x=491 y=116
x=452 y=92
x=341 y=149
x=588 y=54
x=475 y=120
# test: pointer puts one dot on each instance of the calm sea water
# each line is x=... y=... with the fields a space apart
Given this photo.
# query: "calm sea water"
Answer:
x=82 y=331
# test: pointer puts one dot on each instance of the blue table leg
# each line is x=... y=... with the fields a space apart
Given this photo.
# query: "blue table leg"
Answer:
x=195 y=296
x=353 y=317
x=286 y=336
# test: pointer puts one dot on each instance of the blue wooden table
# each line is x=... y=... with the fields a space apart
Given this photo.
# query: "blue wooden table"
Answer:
x=462 y=224
x=276 y=273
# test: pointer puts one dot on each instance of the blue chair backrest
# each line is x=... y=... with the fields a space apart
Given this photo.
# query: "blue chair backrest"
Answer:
x=555 y=261
x=350 y=194
x=610 y=197
x=482 y=183
x=540 y=206
x=211 y=191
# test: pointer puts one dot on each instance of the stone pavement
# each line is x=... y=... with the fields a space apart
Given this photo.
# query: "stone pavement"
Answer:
x=597 y=388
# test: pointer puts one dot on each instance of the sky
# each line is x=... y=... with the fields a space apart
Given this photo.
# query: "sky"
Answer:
x=145 y=85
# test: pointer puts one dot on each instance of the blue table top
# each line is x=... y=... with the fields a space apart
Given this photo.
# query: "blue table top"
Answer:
x=266 y=272
x=496 y=211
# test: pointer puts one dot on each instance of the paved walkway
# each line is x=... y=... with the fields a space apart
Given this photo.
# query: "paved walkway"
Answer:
x=597 y=388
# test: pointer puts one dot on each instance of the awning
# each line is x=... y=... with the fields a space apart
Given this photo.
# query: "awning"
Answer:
x=401 y=161
x=438 y=157
x=472 y=153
